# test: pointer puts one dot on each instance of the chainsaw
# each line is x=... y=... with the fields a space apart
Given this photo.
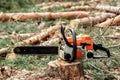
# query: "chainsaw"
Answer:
x=70 y=49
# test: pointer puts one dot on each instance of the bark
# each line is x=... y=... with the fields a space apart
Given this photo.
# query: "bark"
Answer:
x=37 y=15
x=90 y=20
x=110 y=22
x=65 y=71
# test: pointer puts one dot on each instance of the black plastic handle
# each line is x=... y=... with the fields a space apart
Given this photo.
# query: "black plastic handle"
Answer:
x=63 y=34
x=74 y=46
x=100 y=47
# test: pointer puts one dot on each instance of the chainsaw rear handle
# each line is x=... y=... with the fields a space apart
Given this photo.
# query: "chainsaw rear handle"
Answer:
x=100 y=47
x=74 y=46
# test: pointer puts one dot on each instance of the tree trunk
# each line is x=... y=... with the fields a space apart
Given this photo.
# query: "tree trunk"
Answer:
x=63 y=70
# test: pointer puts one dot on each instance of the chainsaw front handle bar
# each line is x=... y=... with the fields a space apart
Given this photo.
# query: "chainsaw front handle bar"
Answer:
x=64 y=37
x=74 y=46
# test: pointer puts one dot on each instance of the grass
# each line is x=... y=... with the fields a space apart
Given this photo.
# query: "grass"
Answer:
x=99 y=69
x=28 y=62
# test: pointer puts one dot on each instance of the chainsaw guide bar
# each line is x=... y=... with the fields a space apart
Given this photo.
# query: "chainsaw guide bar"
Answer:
x=36 y=50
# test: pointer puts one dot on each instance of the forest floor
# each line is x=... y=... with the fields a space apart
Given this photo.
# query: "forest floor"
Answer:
x=28 y=67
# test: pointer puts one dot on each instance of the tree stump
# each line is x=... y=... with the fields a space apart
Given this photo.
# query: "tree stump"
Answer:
x=60 y=69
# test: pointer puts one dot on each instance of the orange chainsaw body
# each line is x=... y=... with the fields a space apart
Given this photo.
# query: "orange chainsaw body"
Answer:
x=80 y=39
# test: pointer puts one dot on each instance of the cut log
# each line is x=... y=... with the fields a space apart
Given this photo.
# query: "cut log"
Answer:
x=37 y=38
x=112 y=9
x=110 y=22
x=63 y=70
x=91 y=20
x=48 y=15
x=106 y=8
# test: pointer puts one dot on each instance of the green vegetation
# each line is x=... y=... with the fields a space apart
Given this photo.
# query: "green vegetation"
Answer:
x=28 y=62
x=15 y=5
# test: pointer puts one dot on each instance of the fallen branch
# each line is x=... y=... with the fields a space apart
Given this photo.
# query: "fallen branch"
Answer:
x=110 y=22
x=91 y=20
x=48 y=15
